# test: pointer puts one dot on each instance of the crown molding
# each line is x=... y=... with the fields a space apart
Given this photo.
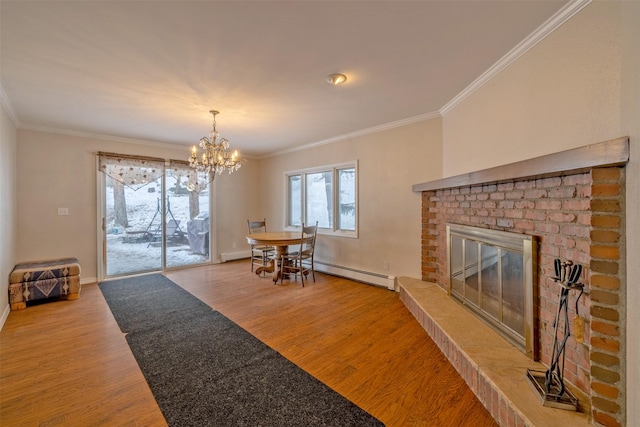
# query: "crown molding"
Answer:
x=560 y=17
x=111 y=138
x=362 y=132
x=90 y=135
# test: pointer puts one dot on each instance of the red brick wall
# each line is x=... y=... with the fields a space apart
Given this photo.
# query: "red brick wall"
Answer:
x=576 y=217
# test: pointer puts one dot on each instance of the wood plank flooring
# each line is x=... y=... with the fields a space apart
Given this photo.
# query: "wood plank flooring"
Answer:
x=66 y=362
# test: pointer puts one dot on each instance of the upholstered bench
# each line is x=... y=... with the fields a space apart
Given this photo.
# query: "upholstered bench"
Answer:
x=37 y=280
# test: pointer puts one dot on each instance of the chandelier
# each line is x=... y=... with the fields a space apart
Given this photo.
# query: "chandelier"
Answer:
x=216 y=156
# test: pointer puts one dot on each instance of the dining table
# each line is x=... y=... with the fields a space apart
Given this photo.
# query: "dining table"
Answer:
x=280 y=240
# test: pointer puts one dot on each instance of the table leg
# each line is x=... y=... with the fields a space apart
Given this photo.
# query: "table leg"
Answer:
x=280 y=251
x=265 y=268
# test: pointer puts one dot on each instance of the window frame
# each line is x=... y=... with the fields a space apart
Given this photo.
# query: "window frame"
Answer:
x=335 y=169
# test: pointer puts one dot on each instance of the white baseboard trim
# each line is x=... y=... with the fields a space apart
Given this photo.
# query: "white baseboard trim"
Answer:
x=88 y=280
x=230 y=256
x=376 y=279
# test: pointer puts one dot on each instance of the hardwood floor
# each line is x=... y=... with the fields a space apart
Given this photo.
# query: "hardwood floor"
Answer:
x=66 y=362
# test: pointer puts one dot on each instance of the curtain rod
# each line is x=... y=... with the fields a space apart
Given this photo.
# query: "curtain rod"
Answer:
x=130 y=156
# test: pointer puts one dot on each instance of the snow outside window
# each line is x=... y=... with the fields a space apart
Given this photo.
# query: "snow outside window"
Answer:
x=325 y=194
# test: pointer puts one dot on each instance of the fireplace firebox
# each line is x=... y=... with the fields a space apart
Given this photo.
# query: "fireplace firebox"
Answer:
x=492 y=273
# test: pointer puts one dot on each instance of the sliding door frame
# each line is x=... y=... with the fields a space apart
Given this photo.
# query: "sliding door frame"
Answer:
x=101 y=185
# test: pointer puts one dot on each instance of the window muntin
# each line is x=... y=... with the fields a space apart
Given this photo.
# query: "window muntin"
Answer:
x=325 y=194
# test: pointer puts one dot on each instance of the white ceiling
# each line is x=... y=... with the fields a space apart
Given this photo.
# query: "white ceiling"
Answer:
x=152 y=70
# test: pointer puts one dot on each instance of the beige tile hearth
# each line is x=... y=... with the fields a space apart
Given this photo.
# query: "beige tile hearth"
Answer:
x=494 y=369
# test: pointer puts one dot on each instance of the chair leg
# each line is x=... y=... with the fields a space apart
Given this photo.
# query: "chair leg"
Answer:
x=283 y=269
x=290 y=270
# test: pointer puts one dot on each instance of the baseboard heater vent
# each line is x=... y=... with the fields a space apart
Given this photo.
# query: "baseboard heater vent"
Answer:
x=357 y=275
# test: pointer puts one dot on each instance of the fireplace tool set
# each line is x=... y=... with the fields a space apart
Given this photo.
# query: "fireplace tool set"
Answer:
x=550 y=384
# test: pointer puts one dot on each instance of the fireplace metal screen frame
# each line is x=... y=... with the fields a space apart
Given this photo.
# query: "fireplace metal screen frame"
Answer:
x=515 y=242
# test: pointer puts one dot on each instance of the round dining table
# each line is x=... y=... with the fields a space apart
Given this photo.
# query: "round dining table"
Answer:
x=281 y=240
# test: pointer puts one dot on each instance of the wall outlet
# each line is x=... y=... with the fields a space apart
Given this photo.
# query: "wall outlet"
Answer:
x=385 y=265
x=234 y=245
x=63 y=211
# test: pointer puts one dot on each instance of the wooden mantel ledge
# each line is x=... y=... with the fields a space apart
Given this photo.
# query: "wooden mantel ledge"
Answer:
x=603 y=154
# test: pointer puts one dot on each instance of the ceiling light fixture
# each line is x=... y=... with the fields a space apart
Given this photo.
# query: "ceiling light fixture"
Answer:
x=336 y=79
x=216 y=156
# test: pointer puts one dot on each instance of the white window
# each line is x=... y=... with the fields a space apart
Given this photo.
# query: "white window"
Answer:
x=326 y=194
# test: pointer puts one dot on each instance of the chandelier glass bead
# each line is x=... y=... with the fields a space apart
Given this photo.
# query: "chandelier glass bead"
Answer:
x=216 y=156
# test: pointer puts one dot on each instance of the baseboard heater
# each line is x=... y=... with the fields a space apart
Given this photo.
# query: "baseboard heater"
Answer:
x=368 y=277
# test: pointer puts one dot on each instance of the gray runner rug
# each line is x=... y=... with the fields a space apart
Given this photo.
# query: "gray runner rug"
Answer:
x=205 y=370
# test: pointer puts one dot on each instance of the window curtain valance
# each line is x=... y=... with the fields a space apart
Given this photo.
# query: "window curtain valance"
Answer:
x=133 y=171
x=137 y=171
x=188 y=177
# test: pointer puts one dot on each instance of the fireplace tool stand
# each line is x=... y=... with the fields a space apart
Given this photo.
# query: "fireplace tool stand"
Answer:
x=550 y=384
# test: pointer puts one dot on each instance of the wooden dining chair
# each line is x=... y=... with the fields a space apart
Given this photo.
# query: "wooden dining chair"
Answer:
x=260 y=254
x=301 y=261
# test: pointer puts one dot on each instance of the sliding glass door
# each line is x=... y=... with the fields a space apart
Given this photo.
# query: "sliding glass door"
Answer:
x=154 y=215
x=187 y=216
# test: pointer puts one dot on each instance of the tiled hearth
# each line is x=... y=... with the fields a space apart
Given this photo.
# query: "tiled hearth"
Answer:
x=573 y=203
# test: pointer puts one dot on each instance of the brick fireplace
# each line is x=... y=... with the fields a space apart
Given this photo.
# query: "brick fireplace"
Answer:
x=573 y=203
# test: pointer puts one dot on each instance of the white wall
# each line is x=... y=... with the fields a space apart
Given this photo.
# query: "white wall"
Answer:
x=579 y=86
x=57 y=170
x=630 y=19
x=8 y=208
x=389 y=163
x=238 y=199
x=563 y=93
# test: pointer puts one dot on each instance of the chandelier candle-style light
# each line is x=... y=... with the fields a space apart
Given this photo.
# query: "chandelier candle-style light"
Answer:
x=216 y=156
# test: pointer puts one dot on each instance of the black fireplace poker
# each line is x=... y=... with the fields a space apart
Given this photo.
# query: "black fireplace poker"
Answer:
x=550 y=384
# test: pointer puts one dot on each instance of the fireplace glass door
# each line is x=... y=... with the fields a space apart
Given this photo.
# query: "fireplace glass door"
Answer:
x=491 y=273
x=513 y=291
